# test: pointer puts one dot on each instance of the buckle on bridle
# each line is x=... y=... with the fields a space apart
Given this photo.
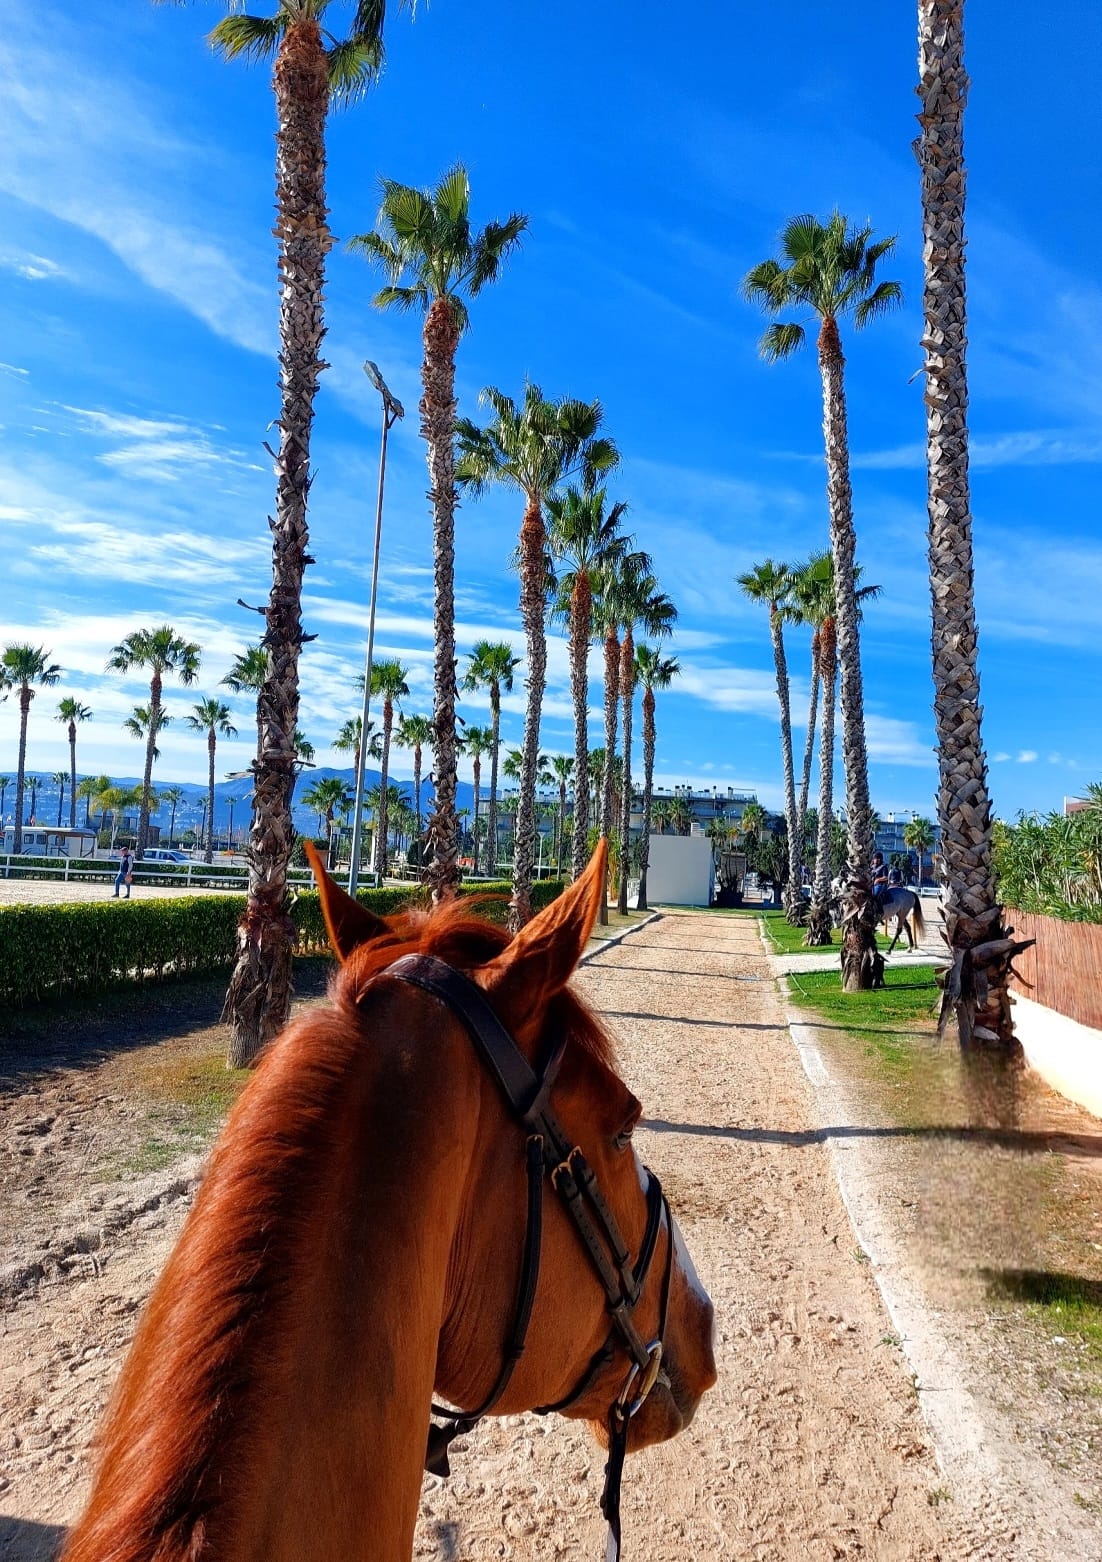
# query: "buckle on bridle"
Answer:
x=640 y=1381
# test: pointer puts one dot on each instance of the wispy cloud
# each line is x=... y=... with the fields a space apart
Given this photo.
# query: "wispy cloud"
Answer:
x=33 y=268
x=14 y=370
x=87 y=149
x=1041 y=447
x=1027 y=756
x=160 y=450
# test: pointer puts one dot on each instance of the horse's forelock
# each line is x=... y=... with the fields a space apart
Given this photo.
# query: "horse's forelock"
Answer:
x=453 y=935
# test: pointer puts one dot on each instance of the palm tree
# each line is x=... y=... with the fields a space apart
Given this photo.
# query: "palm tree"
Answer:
x=162 y=651
x=532 y=449
x=212 y=717
x=247 y=675
x=304 y=758
x=413 y=733
x=173 y=796
x=583 y=540
x=491 y=665
x=141 y=722
x=115 y=799
x=976 y=982
x=562 y=768
x=388 y=678
x=71 y=712
x=347 y=740
x=639 y=602
x=654 y=671
x=91 y=788
x=801 y=607
x=830 y=270
x=425 y=236
x=661 y=807
x=5 y=782
x=59 y=779
x=476 y=742
x=328 y=797
x=25 y=667
x=306 y=76
x=919 y=835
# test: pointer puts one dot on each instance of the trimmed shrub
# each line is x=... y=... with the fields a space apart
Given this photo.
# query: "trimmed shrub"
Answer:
x=49 y=952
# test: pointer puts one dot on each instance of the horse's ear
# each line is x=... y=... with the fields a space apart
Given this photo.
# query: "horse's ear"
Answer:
x=347 y=922
x=541 y=958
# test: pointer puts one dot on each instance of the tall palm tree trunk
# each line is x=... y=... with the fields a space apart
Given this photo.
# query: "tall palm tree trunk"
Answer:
x=809 y=746
x=560 y=845
x=649 y=739
x=155 y=689
x=25 y=697
x=72 y=775
x=862 y=967
x=819 y=927
x=477 y=795
x=612 y=700
x=259 y=998
x=417 y=784
x=792 y=897
x=438 y=408
x=627 y=693
x=384 y=810
x=533 y=603
x=975 y=985
x=491 y=815
x=208 y=855
x=581 y=619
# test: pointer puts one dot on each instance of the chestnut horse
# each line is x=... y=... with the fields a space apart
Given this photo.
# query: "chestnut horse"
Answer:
x=356 y=1241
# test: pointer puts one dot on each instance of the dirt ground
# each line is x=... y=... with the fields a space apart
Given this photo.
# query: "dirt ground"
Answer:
x=813 y=1443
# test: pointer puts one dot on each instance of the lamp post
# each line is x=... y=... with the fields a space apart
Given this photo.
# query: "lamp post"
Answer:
x=392 y=411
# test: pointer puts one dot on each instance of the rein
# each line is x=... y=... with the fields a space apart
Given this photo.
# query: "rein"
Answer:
x=549 y=1154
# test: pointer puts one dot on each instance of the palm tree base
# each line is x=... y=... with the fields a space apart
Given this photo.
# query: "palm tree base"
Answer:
x=975 y=986
x=820 y=927
x=795 y=907
x=862 y=962
x=258 y=1000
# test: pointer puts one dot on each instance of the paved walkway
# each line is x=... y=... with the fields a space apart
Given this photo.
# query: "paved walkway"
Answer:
x=930 y=949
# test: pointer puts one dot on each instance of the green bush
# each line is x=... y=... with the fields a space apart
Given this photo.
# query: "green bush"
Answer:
x=61 y=951
x=1052 y=863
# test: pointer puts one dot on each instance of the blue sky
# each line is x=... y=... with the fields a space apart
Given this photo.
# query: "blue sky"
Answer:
x=137 y=332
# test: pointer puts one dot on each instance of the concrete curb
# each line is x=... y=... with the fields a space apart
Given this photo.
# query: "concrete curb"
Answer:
x=618 y=938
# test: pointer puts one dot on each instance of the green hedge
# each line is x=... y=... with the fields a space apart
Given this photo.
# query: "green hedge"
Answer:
x=61 y=951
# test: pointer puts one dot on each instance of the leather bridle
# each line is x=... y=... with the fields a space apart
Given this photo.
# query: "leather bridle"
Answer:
x=549 y=1153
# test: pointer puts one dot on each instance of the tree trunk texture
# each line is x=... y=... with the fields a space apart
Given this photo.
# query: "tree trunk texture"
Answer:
x=208 y=855
x=26 y=695
x=649 y=740
x=438 y=408
x=627 y=694
x=821 y=922
x=981 y=947
x=491 y=816
x=72 y=775
x=809 y=747
x=477 y=795
x=259 y=998
x=793 y=900
x=533 y=603
x=581 y=625
x=155 y=690
x=417 y=785
x=859 y=911
x=612 y=700
x=384 y=812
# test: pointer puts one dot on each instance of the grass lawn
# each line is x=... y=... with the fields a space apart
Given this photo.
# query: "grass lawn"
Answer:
x=887 y=1020
x=788 y=940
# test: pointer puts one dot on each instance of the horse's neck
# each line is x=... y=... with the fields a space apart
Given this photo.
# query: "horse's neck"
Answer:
x=283 y=1382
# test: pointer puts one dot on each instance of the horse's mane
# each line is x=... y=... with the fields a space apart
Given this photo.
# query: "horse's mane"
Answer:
x=196 y=1373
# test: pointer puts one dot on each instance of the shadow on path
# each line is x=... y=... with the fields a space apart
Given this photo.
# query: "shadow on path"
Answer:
x=22 y=1540
x=1026 y=1142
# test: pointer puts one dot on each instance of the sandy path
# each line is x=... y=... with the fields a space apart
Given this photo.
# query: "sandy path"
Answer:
x=811 y=1446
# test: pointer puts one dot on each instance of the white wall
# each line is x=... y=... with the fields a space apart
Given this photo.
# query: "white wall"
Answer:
x=680 y=872
x=1067 y=1055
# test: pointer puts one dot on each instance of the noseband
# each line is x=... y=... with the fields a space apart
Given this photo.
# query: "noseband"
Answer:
x=549 y=1153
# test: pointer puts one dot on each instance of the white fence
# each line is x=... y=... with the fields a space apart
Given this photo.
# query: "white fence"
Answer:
x=185 y=876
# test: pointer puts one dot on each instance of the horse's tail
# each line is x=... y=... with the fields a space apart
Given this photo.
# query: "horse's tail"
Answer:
x=917 y=921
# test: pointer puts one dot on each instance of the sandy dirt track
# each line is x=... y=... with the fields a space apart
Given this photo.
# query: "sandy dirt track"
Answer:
x=811 y=1446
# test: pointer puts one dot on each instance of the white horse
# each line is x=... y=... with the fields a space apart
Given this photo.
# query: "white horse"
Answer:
x=905 y=907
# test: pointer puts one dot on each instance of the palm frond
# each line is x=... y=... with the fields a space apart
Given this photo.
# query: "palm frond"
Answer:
x=883 y=299
x=354 y=66
x=402 y=298
x=452 y=196
x=768 y=285
x=781 y=341
x=255 y=37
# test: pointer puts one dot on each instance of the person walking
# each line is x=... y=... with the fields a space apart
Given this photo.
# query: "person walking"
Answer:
x=124 y=877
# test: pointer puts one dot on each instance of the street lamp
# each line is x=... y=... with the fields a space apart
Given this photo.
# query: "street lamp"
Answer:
x=392 y=411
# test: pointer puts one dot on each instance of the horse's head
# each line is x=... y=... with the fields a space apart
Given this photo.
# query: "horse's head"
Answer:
x=565 y=1363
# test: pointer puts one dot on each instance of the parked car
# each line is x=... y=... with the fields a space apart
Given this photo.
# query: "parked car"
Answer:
x=164 y=854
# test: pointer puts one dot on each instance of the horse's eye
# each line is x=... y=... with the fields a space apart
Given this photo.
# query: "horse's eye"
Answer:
x=623 y=1138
